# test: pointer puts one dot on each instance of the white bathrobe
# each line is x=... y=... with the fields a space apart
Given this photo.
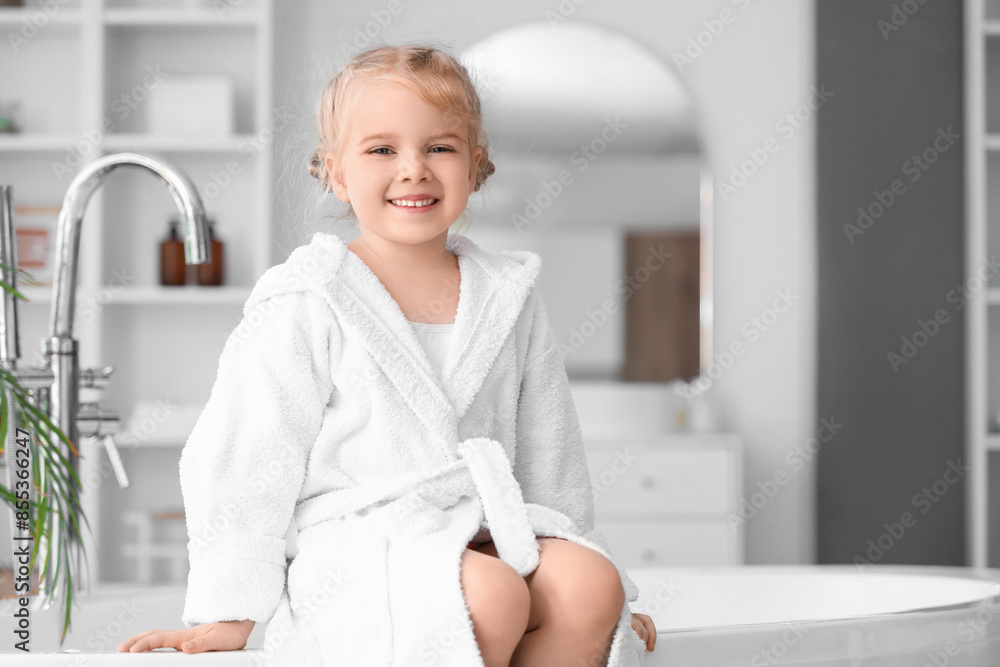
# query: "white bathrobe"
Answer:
x=332 y=481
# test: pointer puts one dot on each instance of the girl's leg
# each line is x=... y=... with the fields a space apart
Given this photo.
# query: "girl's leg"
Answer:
x=576 y=599
x=498 y=601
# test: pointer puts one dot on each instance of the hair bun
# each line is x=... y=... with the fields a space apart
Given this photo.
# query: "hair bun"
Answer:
x=317 y=169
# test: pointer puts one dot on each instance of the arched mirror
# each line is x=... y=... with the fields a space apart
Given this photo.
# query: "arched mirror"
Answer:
x=600 y=169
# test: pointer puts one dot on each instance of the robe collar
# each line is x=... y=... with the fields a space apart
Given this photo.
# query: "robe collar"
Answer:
x=493 y=289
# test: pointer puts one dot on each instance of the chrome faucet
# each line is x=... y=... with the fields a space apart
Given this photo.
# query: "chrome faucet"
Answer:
x=56 y=385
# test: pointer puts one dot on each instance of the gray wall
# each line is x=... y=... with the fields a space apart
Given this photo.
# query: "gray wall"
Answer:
x=902 y=427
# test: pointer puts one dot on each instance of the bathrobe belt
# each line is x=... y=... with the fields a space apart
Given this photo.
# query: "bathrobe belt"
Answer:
x=482 y=469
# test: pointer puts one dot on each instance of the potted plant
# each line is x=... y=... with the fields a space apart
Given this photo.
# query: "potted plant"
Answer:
x=55 y=509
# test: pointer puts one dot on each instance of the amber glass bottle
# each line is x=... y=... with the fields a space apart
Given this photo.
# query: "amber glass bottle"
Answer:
x=172 y=257
x=210 y=273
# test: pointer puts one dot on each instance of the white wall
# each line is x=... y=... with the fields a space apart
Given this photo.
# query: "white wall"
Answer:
x=755 y=71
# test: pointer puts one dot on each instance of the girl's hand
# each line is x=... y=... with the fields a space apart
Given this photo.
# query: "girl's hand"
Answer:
x=643 y=625
x=224 y=636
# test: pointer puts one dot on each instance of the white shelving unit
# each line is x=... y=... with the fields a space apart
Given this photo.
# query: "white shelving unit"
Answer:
x=81 y=77
x=982 y=117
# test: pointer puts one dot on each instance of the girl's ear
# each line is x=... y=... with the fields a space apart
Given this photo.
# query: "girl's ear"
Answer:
x=477 y=158
x=336 y=182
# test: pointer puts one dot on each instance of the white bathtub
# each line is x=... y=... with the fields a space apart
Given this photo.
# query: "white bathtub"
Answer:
x=821 y=616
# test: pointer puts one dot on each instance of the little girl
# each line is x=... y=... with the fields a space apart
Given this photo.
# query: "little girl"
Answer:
x=389 y=469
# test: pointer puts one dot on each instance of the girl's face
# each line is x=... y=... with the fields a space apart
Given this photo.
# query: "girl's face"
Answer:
x=400 y=147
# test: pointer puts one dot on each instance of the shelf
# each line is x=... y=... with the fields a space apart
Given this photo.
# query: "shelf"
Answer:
x=991 y=28
x=16 y=16
x=993 y=142
x=180 y=295
x=35 y=141
x=177 y=144
x=187 y=295
x=993 y=296
x=993 y=442
x=142 y=16
x=35 y=294
x=170 y=432
x=62 y=143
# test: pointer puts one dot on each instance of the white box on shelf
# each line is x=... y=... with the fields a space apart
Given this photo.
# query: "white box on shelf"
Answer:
x=192 y=104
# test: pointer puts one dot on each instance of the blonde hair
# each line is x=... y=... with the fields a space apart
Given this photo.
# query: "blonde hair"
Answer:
x=438 y=78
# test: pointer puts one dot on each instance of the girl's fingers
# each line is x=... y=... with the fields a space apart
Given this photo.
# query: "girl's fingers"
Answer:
x=648 y=622
x=161 y=639
x=644 y=627
x=639 y=628
x=128 y=643
x=196 y=645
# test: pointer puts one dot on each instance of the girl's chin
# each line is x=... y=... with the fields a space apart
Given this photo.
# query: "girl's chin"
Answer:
x=417 y=232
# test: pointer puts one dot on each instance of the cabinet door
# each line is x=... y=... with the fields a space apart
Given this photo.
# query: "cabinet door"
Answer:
x=653 y=544
x=639 y=481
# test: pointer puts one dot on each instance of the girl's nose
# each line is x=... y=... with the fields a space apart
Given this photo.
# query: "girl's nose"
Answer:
x=414 y=166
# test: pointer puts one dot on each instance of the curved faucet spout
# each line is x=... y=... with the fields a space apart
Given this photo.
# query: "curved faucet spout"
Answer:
x=196 y=237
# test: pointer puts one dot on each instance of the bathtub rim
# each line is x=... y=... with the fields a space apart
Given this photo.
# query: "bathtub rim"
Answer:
x=953 y=571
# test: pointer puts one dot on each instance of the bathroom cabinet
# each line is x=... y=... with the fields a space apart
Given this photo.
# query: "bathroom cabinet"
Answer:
x=669 y=500
x=82 y=72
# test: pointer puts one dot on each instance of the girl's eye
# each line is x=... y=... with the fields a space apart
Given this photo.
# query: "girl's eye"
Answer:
x=375 y=151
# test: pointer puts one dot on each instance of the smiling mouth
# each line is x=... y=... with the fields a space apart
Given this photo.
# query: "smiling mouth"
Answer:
x=404 y=203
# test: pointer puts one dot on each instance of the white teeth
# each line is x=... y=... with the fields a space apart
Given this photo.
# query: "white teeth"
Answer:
x=404 y=202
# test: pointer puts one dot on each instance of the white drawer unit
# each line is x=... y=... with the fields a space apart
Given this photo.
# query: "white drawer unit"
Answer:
x=672 y=543
x=669 y=499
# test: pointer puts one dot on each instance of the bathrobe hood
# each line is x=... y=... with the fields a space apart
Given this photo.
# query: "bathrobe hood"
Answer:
x=331 y=459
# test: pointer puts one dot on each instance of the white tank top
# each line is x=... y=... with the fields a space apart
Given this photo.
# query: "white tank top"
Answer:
x=435 y=338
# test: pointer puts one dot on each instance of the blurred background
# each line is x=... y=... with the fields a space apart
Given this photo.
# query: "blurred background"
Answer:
x=760 y=225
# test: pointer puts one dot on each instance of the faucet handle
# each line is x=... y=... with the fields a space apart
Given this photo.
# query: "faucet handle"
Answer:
x=96 y=379
x=116 y=460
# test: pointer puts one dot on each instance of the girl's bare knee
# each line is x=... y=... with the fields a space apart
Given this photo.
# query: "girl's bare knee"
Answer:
x=499 y=603
x=590 y=589
x=607 y=591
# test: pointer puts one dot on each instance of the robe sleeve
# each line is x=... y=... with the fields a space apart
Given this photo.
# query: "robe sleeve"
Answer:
x=243 y=465
x=550 y=464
